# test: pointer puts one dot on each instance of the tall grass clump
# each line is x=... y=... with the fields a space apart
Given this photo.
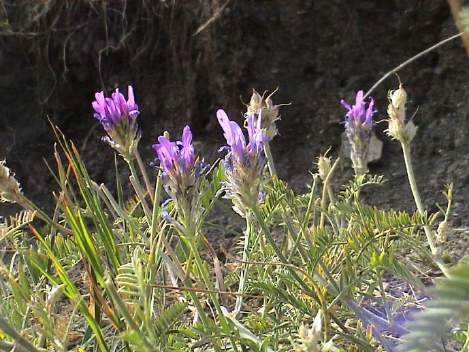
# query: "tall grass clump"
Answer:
x=320 y=271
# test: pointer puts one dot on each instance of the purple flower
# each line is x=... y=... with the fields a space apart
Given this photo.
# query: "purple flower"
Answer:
x=181 y=169
x=118 y=117
x=175 y=157
x=359 y=114
x=110 y=111
x=235 y=138
x=232 y=132
x=358 y=124
x=187 y=150
x=244 y=162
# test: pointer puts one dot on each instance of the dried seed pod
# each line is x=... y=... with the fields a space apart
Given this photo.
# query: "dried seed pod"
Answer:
x=398 y=128
x=10 y=189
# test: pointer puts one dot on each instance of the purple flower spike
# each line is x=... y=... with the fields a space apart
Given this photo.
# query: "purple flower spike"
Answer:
x=232 y=132
x=235 y=138
x=257 y=138
x=118 y=117
x=244 y=163
x=180 y=166
x=187 y=150
x=110 y=111
x=176 y=156
x=166 y=152
x=359 y=114
x=358 y=125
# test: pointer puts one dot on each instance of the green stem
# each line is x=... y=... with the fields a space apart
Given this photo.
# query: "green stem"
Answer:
x=325 y=189
x=245 y=265
x=155 y=223
x=270 y=159
x=416 y=194
x=143 y=171
x=418 y=203
x=139 y=190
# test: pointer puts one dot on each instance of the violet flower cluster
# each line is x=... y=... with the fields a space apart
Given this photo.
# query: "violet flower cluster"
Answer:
x=358 y=126
x=182 y=170
x=244 y=162
x=118 y=117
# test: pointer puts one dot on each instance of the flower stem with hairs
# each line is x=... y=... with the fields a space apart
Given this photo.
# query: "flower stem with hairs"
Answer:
x=144 y=173
x=270 y=159
x=418 y=202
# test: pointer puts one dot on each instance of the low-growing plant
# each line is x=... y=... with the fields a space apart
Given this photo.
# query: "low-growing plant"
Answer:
x=321 y=271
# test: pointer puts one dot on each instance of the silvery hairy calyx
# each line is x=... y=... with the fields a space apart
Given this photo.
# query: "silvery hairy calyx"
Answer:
x=182 y=172
x=398 y=128
x=358 y=126
x=267 y=114
x=118 y=116
x=245 y=161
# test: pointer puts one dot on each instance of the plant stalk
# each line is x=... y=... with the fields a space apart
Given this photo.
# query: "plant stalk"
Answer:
x=270 y=159
x=245 y=265
x=325 y=191
x=418 y=202
x=134 y=179
x=409 y=61
x=143 y=171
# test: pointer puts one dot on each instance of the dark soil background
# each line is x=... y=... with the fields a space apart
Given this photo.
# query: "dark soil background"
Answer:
x=186 y=59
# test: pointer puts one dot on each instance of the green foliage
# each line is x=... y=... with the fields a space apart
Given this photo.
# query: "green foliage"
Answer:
x=111 y=273
x=12 y=227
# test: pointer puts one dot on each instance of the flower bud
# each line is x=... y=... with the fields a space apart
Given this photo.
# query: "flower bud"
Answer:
x=442 y=232
x=398 y=99
x=266 y=111
x=10 y=189
x=397 y=126
x=255 y=103
x=324 y=166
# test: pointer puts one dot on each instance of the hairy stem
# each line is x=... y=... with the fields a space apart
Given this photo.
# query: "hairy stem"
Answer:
x=143 y=171
x=418 y=202
x=416 y=194
x=134 y=179
x=270 y=159
x=244 y=269
x=325 y=189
